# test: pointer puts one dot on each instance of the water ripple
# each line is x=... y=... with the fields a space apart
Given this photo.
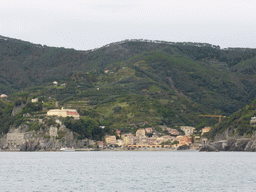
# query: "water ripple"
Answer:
x=127 y=171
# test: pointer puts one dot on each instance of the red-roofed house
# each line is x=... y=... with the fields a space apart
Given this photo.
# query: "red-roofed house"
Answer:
x=173 y=132
x=185 y=140
x=149 y=130
x=100 y=144
x=118 y=132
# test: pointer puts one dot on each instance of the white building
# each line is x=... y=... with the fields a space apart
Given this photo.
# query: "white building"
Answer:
x=34 y=100
x=3 y=96
x=187 y=130
x=55 y=83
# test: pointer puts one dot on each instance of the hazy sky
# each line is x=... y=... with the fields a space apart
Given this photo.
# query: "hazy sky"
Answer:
x=88 y=24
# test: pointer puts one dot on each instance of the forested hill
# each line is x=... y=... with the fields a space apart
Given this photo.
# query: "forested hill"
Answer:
x=24 y=64
x=172 y=82
x=237 y=125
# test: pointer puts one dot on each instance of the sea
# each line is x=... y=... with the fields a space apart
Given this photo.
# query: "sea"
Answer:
x=124 y=171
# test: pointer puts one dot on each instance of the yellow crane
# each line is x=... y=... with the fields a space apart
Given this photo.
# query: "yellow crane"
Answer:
x=220 y=116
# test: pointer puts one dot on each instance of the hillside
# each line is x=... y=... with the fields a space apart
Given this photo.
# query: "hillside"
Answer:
x=237 y=125
x=132 y=83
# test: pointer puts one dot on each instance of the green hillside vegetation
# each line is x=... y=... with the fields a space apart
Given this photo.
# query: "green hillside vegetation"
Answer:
x=147 y=83
x=238 y=123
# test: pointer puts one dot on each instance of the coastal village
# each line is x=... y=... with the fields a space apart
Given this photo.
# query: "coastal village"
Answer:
x=58 y=137
x=172 y=140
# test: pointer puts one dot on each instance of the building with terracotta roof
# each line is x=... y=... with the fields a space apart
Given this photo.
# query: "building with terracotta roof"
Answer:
x=149 y=130
x=173 y=131
x=64 y=113
x=185 y=140
x=100 y=144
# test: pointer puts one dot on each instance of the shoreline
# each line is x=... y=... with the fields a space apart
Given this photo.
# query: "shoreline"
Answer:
x=105 y=150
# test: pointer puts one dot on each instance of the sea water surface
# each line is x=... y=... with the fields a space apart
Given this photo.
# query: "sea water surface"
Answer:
x=127 y=171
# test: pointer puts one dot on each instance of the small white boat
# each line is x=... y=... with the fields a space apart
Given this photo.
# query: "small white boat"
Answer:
x=67 y=149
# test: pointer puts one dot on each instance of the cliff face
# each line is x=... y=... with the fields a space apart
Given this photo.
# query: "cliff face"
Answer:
x=244 y=144
x=20 y=139
x=48 y=145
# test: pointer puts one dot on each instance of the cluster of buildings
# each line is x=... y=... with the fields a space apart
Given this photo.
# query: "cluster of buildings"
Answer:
x=141 y=140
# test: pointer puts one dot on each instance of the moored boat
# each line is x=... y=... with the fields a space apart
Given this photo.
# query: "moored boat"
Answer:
x=67 y=149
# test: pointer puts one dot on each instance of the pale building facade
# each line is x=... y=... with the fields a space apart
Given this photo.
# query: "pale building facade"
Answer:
x=15 y=138
x=55 y=83
x=110 y=140
x=140 y=132
x=120 y=142
x=205 y=130
x=127 y=140
x=3 y=96
x=187 y=130
x=133 y=140
x=34 y=100
x=64 y=113
x=159 y=140
x=141 y=140
x=151 y=140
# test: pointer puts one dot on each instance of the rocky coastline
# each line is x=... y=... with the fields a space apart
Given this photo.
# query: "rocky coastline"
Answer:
x=232 y=144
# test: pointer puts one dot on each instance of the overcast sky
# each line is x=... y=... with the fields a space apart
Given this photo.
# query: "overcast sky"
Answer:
x=88 y=24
